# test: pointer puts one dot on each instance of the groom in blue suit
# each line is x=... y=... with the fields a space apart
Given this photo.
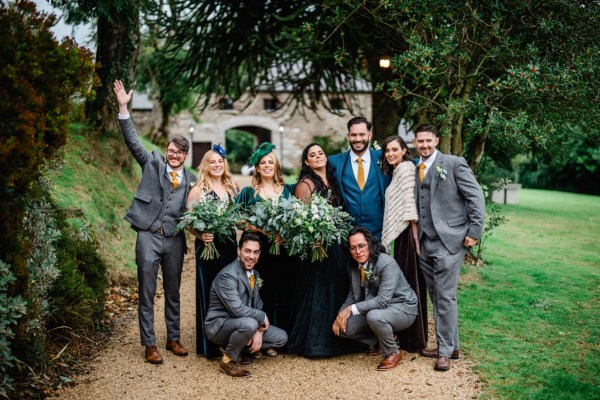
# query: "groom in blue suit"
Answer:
x=360 y=180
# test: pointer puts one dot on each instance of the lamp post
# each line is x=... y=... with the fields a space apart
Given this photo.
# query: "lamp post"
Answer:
x=281 y=129
x=384 y=62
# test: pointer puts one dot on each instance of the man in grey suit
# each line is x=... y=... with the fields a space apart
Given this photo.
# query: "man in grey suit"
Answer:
x=157 y=205
x=451 y=211
x=235 y=318
x=380 y=301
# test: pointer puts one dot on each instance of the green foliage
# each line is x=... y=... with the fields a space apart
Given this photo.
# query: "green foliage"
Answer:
x=571 y=162
x=11 y=309
x=239 y=145
x=529 y=317
x=38 y=79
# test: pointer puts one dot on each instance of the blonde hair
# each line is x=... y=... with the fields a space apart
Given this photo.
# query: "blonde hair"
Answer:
x=277 y=177
x=204 y=180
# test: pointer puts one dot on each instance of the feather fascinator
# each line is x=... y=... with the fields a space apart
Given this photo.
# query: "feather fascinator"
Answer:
x=219 y=150
x=260 y=151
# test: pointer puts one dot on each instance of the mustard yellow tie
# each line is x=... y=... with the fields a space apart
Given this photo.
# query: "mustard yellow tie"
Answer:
x=174 y=180
x=422 y=172
x=362 y=275
x=251 y=277
x=360 y=177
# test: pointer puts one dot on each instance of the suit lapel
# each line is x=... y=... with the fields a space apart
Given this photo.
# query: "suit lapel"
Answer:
x=355 y=275
x=439 y=161
x=375 y=165
x=339 y=171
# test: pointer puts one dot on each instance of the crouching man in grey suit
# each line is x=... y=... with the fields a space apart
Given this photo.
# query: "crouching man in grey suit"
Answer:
x=380 y=301
x=154 y=213
x=235 y=318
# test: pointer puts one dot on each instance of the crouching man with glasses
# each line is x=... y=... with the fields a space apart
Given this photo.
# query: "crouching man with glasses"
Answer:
x=380 y=301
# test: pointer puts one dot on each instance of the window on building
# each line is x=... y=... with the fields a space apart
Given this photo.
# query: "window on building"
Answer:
x=225 y=104
x=337 y=103
x=270 y=104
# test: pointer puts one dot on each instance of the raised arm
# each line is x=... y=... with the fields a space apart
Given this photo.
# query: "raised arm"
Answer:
x=127 y=129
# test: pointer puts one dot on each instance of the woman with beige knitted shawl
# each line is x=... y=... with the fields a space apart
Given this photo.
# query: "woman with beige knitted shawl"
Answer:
x=400 y=213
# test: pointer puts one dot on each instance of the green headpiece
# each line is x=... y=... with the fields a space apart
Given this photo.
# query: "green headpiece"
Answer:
x=260 y=151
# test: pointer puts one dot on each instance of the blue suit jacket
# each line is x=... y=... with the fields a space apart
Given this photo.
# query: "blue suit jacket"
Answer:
x=341 y=161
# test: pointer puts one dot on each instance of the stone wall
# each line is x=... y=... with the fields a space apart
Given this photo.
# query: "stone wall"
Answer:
x=297 y=130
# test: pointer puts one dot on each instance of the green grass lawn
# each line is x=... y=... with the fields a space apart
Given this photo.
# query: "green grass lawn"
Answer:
x=530 y=316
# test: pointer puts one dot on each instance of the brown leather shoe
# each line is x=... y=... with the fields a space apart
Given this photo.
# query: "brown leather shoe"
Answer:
x=256 y=355
x=176 y=348
x=152 y=355
x=389 y=362
x=442 y=364
x=433 y=353
x=234 y=369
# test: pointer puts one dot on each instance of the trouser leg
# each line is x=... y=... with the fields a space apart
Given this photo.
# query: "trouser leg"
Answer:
x=235 y=334
x=147 y=258
x=172 y=266
x=384 y=323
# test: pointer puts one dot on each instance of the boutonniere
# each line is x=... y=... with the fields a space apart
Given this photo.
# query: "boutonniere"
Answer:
x=369 y=274
x=259 y=282
x=192 y=184
x=441 y=172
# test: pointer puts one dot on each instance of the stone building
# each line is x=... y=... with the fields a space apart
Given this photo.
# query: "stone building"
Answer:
x=290 y=132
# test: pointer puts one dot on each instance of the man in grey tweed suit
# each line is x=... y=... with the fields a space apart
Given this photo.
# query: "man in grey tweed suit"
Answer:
x=451 y=211
x=235 y=318
x=380 y=301
x=157 y=205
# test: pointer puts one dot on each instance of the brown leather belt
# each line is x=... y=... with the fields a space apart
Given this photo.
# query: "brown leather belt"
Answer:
x=159 y=231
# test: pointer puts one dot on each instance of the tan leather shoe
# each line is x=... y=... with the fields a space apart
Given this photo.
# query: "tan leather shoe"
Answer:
x=389 y=362
x=234 y=369
x=442 y=364
x=176 y=348
x=271 y=352
x=433 y=353
x=152 y=355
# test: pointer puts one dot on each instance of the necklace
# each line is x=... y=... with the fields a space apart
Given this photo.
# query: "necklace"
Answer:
x=271 y=191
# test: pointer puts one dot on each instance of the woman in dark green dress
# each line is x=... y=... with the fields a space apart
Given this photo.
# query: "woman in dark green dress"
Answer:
x=268 y=183
x=320 y=287
x=214 y=181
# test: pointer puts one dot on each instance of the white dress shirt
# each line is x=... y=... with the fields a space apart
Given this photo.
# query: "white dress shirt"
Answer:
x=366 y=164
x=429 y=162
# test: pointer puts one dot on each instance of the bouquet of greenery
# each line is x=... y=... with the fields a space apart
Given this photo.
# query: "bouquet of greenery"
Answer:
x=269 y=215
x=315 y=226
x=219 y=217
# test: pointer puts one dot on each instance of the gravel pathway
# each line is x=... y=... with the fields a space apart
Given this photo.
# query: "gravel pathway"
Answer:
x=120 y=371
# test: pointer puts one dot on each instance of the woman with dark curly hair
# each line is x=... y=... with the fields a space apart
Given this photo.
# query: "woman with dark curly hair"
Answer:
x=320 y=287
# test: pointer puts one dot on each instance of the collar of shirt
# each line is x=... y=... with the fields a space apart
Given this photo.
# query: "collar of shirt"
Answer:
x=248 y=273
x=179 y=173
x=429 y=162
x=366 y=157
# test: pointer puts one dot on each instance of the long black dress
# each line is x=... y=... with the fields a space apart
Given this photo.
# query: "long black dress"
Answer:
x=413 y=338
x=320 y=290
x=206 y=271
x=276 y=271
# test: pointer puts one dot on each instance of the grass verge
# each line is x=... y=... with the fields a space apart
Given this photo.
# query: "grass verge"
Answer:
x=530 y=316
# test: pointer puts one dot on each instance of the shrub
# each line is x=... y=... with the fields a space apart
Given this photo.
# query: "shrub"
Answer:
x=11 y=309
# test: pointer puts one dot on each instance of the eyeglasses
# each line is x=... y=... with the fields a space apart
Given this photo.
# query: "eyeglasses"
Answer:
x=360 y=247
x=177 y=153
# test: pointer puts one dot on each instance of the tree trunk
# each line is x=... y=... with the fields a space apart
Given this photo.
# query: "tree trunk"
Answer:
x=478 y=150
x=116 y=55
x=386 y=116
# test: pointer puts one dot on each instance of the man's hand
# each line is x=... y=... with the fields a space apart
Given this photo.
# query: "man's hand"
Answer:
x=341 y=321
x=121 y=94
x=265 y=325
x=469 y=242
x=256 y=342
